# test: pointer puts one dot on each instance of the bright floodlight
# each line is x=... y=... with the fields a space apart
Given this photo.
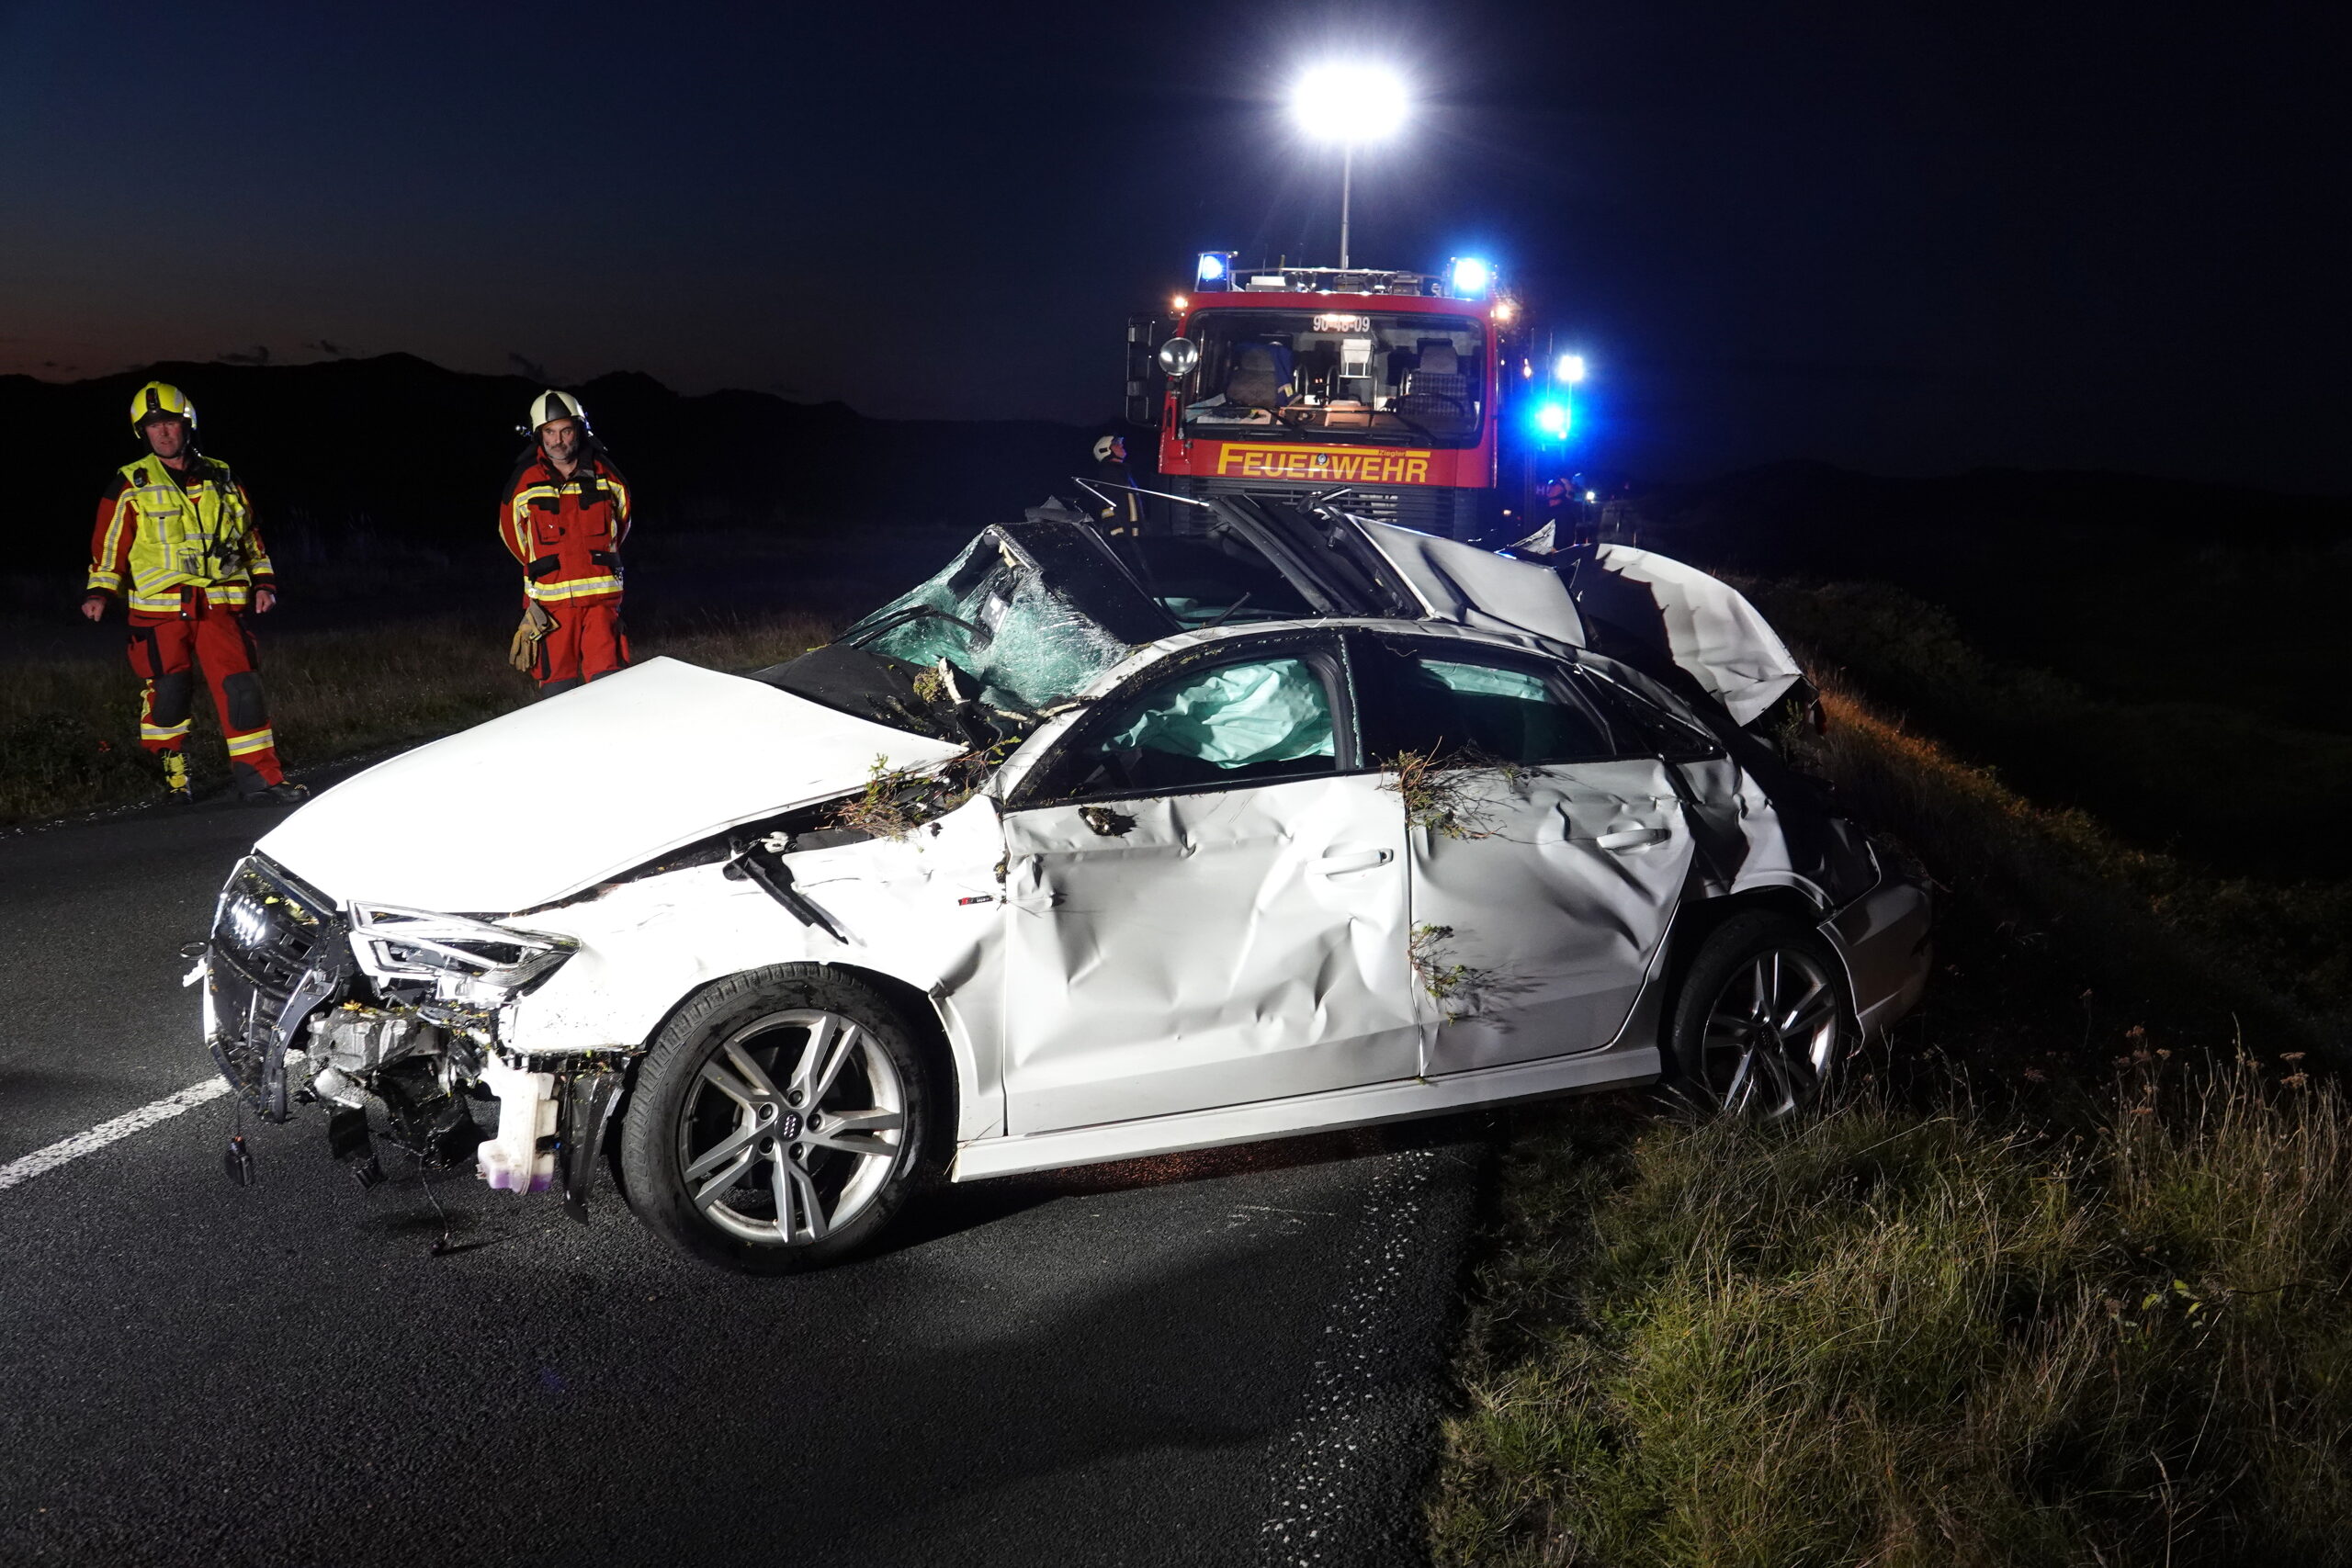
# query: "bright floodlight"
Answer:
x=1570 y=368
x=1349 y=103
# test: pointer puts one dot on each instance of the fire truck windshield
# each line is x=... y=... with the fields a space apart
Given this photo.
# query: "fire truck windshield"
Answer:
x=1338 y=376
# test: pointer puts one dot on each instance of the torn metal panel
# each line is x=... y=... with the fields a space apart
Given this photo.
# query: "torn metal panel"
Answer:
x=1549 y=923
x=1704 y=624
x=1229 y=946
x=1471 y=587
x=540 y=803
x=923 y=909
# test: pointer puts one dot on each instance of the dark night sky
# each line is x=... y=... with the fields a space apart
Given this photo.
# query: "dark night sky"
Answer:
x=1907 y=238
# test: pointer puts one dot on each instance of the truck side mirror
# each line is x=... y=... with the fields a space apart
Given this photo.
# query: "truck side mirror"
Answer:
x=1178 y=355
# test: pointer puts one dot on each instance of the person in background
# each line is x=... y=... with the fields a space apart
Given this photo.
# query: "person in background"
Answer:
x=564 y=518
x=177 y=542
x=1123 y=513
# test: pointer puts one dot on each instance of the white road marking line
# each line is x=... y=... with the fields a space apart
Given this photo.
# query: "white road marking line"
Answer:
x=105 y=1133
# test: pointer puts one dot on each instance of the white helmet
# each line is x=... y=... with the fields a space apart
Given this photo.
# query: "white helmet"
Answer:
x=1104 y=447
x=551 y=405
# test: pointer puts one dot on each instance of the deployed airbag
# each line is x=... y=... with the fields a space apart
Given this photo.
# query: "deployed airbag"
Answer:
x=1274 y=711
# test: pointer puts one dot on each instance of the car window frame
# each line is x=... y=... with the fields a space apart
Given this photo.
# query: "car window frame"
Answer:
x=1609 y=691
x=1321 y=649
x=1559 y=674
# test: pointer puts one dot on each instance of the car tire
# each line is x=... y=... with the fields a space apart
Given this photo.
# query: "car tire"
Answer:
x=1761 y=1019
x=779 y=1121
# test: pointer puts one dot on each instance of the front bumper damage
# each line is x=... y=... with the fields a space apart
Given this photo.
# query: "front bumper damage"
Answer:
x=399 y=1009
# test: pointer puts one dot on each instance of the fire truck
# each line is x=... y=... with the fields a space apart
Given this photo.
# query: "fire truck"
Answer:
x=1413 y=392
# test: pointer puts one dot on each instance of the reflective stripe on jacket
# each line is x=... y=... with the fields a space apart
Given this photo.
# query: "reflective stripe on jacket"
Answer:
x=566 y=533
x=159 y=532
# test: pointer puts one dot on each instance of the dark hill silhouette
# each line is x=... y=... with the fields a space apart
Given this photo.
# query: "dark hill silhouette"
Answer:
x=2147 y=591
x=1822 y=521
x=419 y=453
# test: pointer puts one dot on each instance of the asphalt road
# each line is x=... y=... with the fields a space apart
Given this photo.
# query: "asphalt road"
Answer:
x=1231 y=1358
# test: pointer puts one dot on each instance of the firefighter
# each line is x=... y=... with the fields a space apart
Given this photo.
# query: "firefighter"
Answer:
x=176 y=539
x=1123 y=513
x=566 y=514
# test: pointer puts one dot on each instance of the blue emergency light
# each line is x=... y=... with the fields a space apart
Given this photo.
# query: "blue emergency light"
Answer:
x=1553 y=418
x=1215 y=271
x=1468 y=277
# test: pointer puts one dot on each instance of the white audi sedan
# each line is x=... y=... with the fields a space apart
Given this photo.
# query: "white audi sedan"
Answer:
x=1075 y=852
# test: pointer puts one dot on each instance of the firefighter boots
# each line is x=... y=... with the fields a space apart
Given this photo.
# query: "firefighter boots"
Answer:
x=175 y=786
x=284 y=793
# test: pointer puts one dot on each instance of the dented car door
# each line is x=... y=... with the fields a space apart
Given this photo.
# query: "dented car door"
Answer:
x=1544 y=864
x=1205 y=900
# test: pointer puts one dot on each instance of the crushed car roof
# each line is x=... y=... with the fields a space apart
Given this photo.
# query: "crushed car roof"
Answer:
x=1030 y=613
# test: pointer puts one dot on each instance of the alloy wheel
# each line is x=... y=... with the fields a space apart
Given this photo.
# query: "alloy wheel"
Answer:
x=1771 y=1034
x=791 y=1127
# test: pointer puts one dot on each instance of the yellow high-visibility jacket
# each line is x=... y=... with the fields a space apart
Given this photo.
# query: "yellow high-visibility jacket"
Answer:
x=160 y=531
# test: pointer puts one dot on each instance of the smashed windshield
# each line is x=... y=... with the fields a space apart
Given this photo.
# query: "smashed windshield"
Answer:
x=1339 y=374
x=1028 y=615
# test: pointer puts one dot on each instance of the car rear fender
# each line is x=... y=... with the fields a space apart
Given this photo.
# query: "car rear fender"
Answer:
x=1698 y=918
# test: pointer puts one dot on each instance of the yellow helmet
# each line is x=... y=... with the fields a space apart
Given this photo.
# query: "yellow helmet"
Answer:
x=160 y=400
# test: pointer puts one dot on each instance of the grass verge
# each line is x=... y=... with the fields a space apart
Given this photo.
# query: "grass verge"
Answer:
x=2285 y=950
x=2059 y=1319
x=69 y=728
x=1896 y=1336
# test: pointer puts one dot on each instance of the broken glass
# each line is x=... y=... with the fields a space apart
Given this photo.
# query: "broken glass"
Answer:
x=1017 y=632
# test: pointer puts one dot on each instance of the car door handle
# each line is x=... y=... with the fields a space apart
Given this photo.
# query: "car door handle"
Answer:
x=1338 y=862
x=1633 y=838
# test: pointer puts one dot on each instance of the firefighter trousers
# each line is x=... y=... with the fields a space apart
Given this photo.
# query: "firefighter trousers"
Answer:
x=165 y=653
x=586 y=641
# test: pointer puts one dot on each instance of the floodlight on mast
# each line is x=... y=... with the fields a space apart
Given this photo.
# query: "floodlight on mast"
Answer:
x=1349 y=102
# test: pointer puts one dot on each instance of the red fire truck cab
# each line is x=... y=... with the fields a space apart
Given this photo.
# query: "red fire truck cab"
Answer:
x=1282 y=382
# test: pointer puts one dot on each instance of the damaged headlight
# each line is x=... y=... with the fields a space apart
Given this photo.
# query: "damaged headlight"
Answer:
x=470 y=963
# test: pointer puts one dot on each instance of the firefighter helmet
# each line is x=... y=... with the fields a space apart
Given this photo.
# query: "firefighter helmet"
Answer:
x=551 y=406
x=160 y=400
x=1104 y=448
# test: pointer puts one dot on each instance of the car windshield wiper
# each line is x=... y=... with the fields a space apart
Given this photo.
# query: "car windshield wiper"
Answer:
x=859 y=637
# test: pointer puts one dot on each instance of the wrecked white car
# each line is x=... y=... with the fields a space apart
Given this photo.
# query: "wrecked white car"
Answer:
x=1304 y=822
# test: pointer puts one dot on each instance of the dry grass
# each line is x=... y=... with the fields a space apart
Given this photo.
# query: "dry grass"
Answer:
x=1916 y=1331
x=1441 y=792
x=895 y=802
x=69 y=728
x=2286 y=949
x=1893 y=1337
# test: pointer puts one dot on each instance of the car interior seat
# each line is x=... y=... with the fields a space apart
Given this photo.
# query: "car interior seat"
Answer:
x=1260 y=377
x=1435 y=388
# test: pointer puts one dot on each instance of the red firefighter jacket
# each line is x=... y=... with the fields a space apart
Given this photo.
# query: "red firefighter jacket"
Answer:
x=567 y=531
